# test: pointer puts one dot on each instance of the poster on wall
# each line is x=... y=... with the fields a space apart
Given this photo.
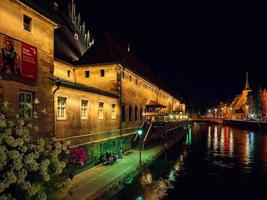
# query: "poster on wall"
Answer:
x=17 y=59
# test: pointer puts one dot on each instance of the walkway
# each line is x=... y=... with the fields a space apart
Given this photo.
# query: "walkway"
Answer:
x=91 y=183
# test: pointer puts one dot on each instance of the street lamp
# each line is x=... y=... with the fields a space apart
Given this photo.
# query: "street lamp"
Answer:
x=140 y=133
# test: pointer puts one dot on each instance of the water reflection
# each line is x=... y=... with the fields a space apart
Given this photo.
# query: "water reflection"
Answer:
x=213 y=159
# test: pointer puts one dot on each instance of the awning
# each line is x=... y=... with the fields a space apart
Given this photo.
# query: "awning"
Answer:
x=154 y=104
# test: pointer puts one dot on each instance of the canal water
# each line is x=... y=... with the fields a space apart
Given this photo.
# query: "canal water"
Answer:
x=213 y=162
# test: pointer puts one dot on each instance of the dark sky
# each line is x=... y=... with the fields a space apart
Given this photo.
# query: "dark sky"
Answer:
x=201 y=49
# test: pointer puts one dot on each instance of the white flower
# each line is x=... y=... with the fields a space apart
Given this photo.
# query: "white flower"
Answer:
x=44 y=111
x=28 y=106
x=35 y=115
x=36 y=101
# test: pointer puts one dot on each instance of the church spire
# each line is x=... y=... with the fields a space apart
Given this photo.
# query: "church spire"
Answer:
x=247 y=84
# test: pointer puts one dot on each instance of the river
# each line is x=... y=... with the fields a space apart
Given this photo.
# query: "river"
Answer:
x=212 y=162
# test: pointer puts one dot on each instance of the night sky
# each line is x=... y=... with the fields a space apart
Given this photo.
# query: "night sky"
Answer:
x=200 y=49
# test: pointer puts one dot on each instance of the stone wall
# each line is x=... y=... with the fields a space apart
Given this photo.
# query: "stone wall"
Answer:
x=41 y=37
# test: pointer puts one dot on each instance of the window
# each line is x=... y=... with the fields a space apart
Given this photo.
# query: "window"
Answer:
x=27 y=23
x=130 y=113
x=84 y=109
x=87 y=74
x=113 y=111
x=135 y=81
x=102 y=72
x=123 y=113
x=61 y=107
x=130 y=78
x=68 y=73
x=136 y=113
x=25 y=105
x=141 y=114
x=101 y=110
x=123 y=75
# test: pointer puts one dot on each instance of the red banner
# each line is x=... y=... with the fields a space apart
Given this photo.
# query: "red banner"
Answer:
x=17 y=59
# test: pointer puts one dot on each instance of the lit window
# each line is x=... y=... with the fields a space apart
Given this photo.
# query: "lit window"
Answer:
x=87 y=74
x=84 y=109
x=113 y=111
x=68 y=73
x=101 y=110
x=61 y=107
x=102 y=72
x=25 y=105
x=27 y=23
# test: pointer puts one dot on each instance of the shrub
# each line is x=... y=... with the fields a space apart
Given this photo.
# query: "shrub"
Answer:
x=27 y=164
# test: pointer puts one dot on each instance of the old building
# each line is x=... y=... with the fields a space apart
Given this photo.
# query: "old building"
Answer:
x=95 y=91
x=26 y=60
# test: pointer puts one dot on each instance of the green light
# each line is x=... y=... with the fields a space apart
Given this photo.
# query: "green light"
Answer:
x=140 y=132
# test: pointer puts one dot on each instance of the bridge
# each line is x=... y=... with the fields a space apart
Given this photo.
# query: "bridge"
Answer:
x=212 y=120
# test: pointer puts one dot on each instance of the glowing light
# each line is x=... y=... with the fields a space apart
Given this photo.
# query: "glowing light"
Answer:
x=209 y=136
x=140 y=198
x=215 y=140
x=222 y=140
x=140 y=132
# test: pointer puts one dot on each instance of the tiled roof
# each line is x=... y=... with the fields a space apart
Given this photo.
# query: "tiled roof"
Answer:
x=107 y=50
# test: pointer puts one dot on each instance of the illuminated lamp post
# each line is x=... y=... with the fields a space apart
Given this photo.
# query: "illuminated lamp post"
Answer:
x=140 y=133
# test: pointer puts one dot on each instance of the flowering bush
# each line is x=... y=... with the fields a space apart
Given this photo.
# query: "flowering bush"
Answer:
x=78 y=156
x=26 y=164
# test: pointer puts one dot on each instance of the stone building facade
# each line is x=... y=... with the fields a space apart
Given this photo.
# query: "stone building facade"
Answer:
x=95 y=93
x=27 y=30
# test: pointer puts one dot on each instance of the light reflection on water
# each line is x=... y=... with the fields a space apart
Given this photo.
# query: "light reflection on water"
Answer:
x=214 y=159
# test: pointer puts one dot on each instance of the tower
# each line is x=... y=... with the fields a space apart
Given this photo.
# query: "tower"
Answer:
x=247 y=83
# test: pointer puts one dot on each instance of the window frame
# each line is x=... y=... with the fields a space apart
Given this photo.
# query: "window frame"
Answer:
x=30 y=25
x=102 y=74
x=85 y=75
x=83 y=108
x=113 y=111
x=62 y=106
x=23 y=104
x=102 y=111
x=68 y=73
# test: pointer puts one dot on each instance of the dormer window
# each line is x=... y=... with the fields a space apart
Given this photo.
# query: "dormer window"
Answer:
x=102 y=72
x=87 y=74
x=27 y=23
x=76 y=36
